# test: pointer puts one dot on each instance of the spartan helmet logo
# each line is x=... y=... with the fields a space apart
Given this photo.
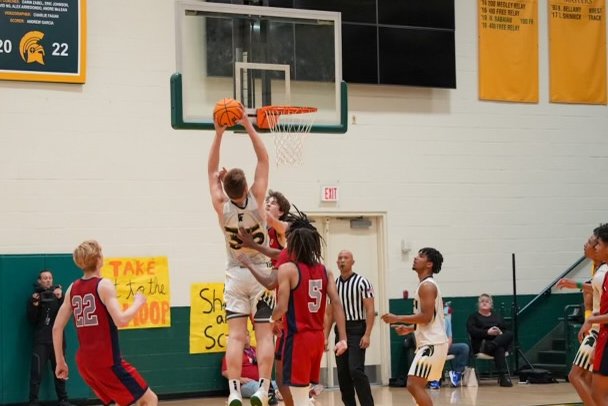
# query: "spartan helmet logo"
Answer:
x=30 y=49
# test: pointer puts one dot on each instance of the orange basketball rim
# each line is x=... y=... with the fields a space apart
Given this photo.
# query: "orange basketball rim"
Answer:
x=268 y=116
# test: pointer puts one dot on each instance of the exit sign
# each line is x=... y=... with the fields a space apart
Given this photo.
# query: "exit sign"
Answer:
x=329 y=194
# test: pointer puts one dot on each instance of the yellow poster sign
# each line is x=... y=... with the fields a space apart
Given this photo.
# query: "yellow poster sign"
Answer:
x=208 y=325
x=508 y=50
x=147 y=275
x=577 y=51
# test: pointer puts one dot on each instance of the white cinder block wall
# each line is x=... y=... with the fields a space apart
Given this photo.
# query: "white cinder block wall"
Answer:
x=477 y=180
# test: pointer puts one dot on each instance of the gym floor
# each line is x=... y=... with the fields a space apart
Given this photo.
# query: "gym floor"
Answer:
x=488 y=393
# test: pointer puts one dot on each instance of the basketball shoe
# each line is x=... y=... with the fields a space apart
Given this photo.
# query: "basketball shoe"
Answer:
x=259 y=398
x=235 y=399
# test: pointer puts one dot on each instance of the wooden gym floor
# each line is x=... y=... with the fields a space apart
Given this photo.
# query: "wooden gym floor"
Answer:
x=488 y=393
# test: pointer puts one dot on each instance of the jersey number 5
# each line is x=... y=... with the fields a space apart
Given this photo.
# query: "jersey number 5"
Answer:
x=314 y=291
x=84 y=309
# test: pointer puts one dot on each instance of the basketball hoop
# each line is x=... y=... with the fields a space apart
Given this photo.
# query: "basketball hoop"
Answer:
x=288 y=125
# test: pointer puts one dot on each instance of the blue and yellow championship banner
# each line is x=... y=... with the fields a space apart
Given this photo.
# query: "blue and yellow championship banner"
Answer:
x=577 y=51
x=146 y=275
x=43 y=40
x=508 y=50
x=208 y=325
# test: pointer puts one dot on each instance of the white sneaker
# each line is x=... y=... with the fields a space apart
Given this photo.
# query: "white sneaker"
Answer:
x=316 y=389
x=235 y=399
x=259 y=398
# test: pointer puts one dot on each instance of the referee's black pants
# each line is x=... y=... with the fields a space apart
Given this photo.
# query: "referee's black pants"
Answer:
x=351 y=367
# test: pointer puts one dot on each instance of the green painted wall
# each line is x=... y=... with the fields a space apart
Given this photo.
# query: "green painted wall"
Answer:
x=17 y=275
x=161 y=355
x=533 y=324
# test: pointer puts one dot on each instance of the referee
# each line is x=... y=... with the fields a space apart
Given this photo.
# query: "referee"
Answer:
x=357 y=296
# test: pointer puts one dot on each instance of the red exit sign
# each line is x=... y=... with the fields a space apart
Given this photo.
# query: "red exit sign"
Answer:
x=329 y=194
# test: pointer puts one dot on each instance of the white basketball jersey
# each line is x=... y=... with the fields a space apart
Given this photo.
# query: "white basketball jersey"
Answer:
x=597 y=284
x=434 y=331
x=250 y=219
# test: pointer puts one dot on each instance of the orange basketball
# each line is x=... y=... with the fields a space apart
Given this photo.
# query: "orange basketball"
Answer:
x=227 y=112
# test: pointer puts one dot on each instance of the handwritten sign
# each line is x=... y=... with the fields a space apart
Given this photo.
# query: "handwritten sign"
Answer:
x=148 y=275
x=208 y=325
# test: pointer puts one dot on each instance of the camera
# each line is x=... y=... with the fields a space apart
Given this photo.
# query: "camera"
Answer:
x=46 y=294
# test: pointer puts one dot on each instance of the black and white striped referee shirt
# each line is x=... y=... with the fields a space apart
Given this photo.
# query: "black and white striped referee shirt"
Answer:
x=352 y=291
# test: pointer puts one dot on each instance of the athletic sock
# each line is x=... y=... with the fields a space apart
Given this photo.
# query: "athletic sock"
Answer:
x=235 y=386
x=265 y=384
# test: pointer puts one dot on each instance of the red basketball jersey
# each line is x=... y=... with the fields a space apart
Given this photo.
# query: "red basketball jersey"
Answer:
x=273 y=242
x=307 y=300
x=283 y=258
x=97 y=333
x=604 y=300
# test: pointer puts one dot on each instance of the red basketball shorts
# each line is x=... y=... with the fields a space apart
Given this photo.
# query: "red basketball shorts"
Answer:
x=302 y=353
x=600 y=360
x=120 y=383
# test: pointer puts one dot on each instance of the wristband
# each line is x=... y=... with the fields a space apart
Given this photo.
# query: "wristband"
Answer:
x=579 y=285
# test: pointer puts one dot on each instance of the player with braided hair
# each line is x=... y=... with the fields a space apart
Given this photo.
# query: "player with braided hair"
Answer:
x=304 y=285
x=277 y=208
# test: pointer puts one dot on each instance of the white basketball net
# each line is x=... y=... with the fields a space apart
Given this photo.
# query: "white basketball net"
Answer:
x=288 y=132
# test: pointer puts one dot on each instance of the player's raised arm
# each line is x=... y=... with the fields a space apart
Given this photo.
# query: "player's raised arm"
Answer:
x=218 y=197
x=267 y=279
x=249 y=242
x=65 y=311
x=107 y=293
x=262 y=169
x=279 y=225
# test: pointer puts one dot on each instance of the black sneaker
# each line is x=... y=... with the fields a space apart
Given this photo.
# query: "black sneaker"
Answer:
x=505 y=380
x=272 y=397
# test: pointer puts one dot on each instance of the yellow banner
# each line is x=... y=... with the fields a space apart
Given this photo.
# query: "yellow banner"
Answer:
x=148 y=275
x=577 y=51
x=208 y=326
x=508 y=50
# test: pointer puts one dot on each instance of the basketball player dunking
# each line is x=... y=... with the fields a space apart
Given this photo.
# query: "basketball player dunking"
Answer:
x=304 y=285
x=429 y=326
x=97 y=312
x=238 y=206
